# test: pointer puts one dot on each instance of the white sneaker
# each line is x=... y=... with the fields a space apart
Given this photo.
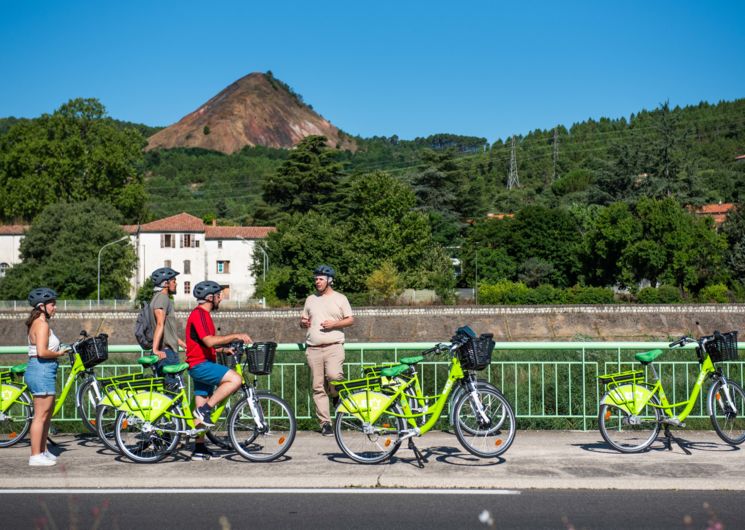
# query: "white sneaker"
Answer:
x=49 y=455
x=40 y=460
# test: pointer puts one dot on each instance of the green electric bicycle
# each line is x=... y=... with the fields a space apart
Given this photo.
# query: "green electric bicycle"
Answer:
x=378 y=413
x=152 y=419
x=634 y=408
x=16 y=402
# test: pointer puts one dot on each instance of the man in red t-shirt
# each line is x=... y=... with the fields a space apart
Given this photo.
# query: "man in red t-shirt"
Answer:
x=212 y=382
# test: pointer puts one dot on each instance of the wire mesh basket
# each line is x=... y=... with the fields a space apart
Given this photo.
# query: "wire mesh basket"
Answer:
x=94 y=350
x=475 y=354
x=721 y=347
x=260 y=358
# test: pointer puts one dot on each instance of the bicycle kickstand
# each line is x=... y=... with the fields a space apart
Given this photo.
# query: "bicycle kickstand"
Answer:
x=669 y=439
x=419 y=456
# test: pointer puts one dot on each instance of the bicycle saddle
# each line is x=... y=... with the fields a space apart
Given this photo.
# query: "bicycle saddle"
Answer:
x=393 y=371
x=18 y=369
x=175 y=368
x=147 y=360
x=411 y=360
x=648 y=356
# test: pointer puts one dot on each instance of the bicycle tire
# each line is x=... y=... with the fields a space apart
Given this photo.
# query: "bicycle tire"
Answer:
x=459 y=391
x=106 y=426
x=255 y=444
x=728 y=422
x=17 y=422
x=613 y=423
x=481 y=440
x=87 y=402
x=152 y=446
x=378 y=444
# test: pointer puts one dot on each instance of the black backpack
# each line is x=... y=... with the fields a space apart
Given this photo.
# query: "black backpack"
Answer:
x=145 y=327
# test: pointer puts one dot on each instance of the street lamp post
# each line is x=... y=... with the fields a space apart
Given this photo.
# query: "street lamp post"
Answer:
x=98 y=290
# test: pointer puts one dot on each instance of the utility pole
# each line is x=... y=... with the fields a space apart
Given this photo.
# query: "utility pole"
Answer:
x=513 y=181
x=556 y=152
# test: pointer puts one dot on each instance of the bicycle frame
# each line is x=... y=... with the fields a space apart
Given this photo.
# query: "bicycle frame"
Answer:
x=634 y=397
x=369 y=404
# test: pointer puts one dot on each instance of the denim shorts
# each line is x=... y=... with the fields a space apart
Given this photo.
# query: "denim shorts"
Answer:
x=41 y=376
x=207 y=376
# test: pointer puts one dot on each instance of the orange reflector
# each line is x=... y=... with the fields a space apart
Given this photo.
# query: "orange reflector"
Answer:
x=387 y=442
x=281 y=440
x=718 y=397
x=125 y=423
x=13 y=434
x=93 y=422
x=607 y=415
x=498 y=443
x=387 y=425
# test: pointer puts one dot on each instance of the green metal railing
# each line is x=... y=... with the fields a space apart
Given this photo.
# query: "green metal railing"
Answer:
x=550 y=384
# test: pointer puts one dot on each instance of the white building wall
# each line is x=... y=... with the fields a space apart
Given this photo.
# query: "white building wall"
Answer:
x=10 y=249
x=239 y=253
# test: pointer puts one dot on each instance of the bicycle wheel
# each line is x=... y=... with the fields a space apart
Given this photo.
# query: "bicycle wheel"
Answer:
x=16 y=420
x=106 y=426
x=459 y=391
x=87 y=401
x=728 y=415
x=218 y=434
x=147 y=443
x=268 y=442
x=627 y=433
x=369 y=443
x=485 y=439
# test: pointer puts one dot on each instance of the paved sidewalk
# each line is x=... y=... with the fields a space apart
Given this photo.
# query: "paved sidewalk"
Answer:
x=537 y=459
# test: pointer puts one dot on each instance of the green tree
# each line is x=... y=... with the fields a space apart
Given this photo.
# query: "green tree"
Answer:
x=60 y=250
x=307 y=180
x=613 y=231
x=384 y=283
x=71 y=155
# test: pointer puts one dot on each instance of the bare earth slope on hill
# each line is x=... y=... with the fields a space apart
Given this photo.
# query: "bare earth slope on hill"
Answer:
x=255 y=110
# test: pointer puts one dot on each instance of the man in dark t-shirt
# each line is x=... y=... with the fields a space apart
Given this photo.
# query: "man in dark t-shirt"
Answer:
x=212 y=382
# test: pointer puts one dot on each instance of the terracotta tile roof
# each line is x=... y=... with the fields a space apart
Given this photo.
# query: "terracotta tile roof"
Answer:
x=500 y=215
x=13 y=230
x=232 y=232
x=182 y=222
x=717 y=211
x=130 y=229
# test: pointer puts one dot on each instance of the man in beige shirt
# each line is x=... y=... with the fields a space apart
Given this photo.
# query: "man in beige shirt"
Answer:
x=324 y=316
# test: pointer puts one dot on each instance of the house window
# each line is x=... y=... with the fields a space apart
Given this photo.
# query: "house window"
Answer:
x=167 y=240
x=3 y=269
x=189 y=241
x=187 y=266
x=219 y=243
x=167 y=263
x=223 y=267
x=187 y=287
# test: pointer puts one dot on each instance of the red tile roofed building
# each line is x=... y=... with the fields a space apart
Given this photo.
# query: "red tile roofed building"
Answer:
x=716 y=211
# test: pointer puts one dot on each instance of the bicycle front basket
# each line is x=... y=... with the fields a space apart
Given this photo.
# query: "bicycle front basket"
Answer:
x=94 y=350
x=721 y=347
x=476 y=353
x=260 y=358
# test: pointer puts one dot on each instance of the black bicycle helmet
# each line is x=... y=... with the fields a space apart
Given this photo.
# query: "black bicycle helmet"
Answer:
x=324 y=270
x=41 y=295
x=163 y=275
x=205 y=288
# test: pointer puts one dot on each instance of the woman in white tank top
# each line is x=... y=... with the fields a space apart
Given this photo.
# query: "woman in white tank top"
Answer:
x=41 y=372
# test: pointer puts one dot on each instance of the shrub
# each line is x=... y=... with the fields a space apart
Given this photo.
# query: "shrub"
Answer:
x=717 y=293
x=664 y=294
x=504 y=292
x=589 y=295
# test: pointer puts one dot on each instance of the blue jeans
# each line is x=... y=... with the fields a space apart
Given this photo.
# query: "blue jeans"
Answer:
x=171 y=359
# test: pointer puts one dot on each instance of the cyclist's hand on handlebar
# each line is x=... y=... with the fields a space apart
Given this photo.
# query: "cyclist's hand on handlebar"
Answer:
x=244 y=338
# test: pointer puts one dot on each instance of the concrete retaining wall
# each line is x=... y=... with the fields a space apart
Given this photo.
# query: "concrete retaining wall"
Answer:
x=532 y=323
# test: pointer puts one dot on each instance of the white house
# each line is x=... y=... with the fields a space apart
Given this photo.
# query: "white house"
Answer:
x=10 y=243
x=183 y=242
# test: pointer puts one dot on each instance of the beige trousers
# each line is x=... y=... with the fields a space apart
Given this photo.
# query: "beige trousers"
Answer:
x=326 y=364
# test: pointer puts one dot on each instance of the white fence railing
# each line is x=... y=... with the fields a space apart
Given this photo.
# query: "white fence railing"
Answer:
x=122 y=305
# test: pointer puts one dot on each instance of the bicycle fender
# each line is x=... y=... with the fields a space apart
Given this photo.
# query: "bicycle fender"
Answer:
x=629 y=398
x=148 y=406
x=367 y=406
x=9 y=393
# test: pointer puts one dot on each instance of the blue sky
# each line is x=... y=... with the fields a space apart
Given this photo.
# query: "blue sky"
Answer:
x=413 y=68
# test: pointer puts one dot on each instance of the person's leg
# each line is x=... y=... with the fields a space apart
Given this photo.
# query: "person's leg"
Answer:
x=333 y=365
x=318 y=383
x=40 y=424
x=229 y=383
x=171 y=359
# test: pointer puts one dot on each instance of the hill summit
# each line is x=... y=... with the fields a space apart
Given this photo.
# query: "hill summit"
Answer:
x=258 y=109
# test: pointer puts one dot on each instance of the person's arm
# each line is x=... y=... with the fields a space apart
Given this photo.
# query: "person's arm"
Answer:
x=160 y=326
x=40 y=332
x=212 y=341
x=305 y=317
x=345 y=322
x=181 y=344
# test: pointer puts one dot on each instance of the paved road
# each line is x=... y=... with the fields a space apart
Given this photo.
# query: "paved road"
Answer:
x=537 y=459
x=351 y=509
